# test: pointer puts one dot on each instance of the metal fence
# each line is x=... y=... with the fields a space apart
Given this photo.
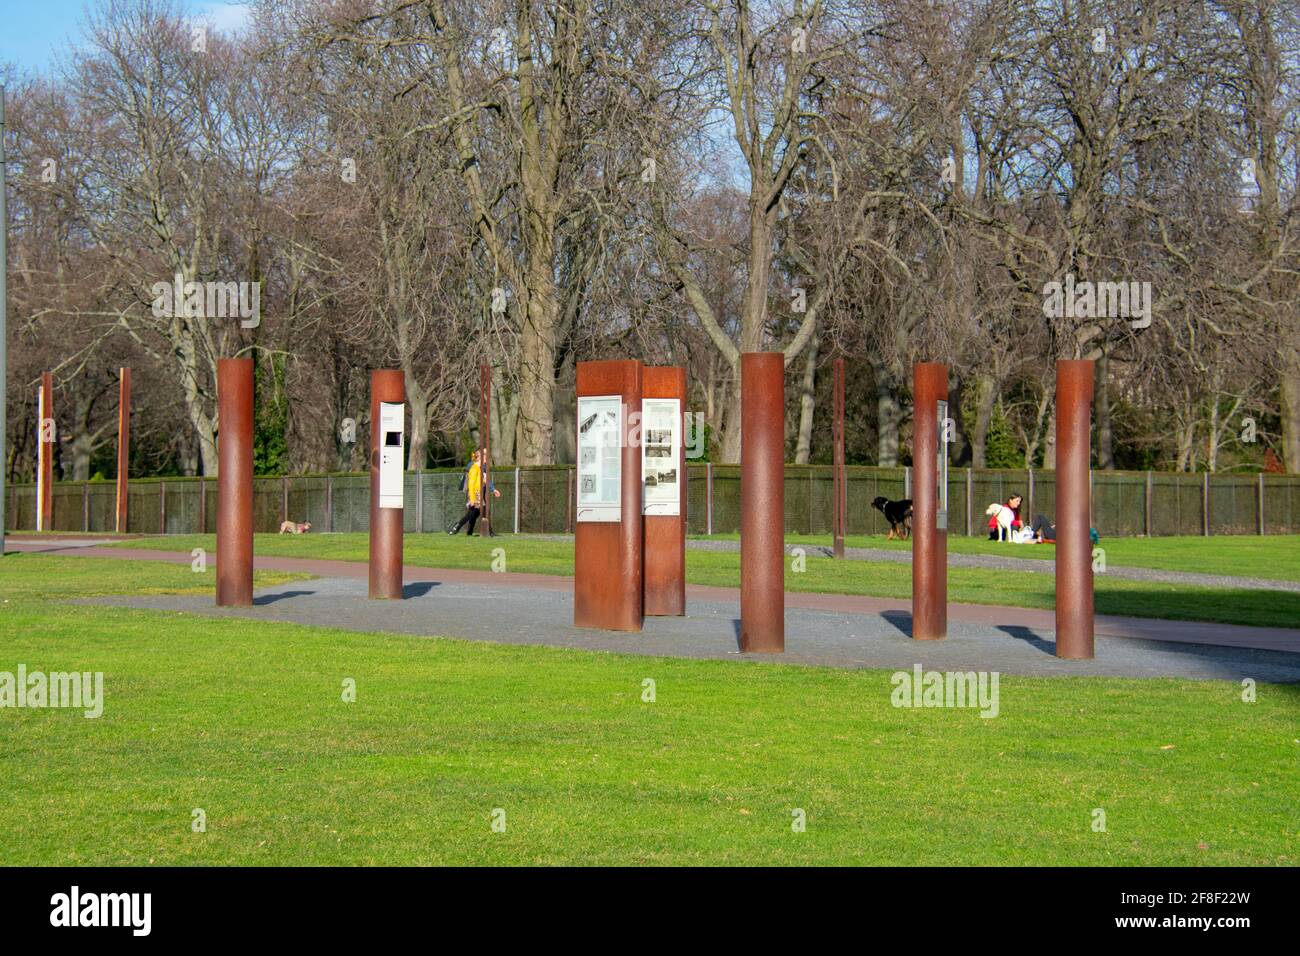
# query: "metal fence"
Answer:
x=540 y=500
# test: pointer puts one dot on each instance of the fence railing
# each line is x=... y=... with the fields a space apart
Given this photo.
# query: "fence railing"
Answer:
x=540 y=500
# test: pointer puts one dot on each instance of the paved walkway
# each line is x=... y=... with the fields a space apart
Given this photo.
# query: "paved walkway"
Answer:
x=823 y=629
x=511 y=612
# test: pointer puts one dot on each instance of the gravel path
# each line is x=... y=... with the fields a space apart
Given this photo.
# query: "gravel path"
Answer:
x=514 y=614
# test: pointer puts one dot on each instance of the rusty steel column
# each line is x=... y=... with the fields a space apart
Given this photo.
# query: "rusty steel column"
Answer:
x=386 y=385
x=47 y=436
x=929 y=541
x=608 y=557
x=235 y=482
x=1074 y=596
x=664 y=528
x=840 y=489
x=762 y=502
x=485 y=436
x=123 y=446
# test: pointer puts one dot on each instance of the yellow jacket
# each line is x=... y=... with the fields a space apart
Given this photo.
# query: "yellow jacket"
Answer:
x=474 y=483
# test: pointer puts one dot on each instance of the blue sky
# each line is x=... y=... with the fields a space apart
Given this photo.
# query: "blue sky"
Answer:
x=36 y=33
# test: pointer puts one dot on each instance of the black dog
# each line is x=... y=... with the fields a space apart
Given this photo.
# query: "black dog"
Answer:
x=898 y=514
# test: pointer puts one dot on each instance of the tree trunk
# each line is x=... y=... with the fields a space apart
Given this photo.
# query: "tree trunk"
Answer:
x=888 y=415
x=731 y=421
x=205 y=424
x=81 y=451
x=1185 y=418
x=1212 y=438
x=985 y=392
x=537 y=357
x=1105 y=434
x=1291 y=412
x=1049 y=440
x=958 y=446
x=505 y=418
x=82 y=444
x=807 y=404
x=753 y=318
x=417 y=452
x=207 y=435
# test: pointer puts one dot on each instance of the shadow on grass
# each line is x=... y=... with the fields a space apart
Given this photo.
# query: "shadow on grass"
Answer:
x=1228 y=663
x=1251 y=608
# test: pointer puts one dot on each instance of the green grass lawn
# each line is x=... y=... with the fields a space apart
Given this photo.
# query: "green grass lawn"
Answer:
x=1272 y=557
x=245 y=720
x=822 y=575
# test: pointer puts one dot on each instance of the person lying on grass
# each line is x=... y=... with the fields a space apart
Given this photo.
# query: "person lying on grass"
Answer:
x=1045 y=532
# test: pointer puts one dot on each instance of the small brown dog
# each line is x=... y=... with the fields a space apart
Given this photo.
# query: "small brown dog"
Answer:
x=295 y=527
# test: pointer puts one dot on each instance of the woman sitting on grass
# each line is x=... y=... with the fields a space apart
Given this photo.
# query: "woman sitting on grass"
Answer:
x=1014 y=504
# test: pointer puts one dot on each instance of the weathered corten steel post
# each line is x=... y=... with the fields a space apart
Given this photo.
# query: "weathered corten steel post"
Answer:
x=762 y=502
x=235 y=482
x=1074 y=596
x=485 y=436
x=386 y=385
x=665 y=528
x=47 y=442
x=840 y=486
x=929 y=541
x=608 y=559
x=123 y=446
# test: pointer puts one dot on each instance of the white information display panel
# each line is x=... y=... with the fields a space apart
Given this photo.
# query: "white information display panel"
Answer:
x=392 y=416
x=600 y=459
x=661 y=454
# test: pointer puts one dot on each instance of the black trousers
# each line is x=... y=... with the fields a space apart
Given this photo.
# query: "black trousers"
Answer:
x=1044 y=527
x=470 y=517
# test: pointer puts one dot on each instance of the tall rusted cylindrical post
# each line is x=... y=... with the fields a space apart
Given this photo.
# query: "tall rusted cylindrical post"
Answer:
x=485 y=433
x=123 y=446
x=47 y=442
x=235 y=482
x=1074 y=597
x=840 y=489
x=929 y=540
x=386 y=385
x=762 y=502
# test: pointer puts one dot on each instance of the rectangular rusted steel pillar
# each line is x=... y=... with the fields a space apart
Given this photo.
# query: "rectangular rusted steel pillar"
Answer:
x=663 y=477
x=47 y=440
x=235 y=482
x=386 y=386
x=607 y=541
x=840 y=509
x=929 y=540
x=1074 y=594
x=124 y=447
x=762 y=502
